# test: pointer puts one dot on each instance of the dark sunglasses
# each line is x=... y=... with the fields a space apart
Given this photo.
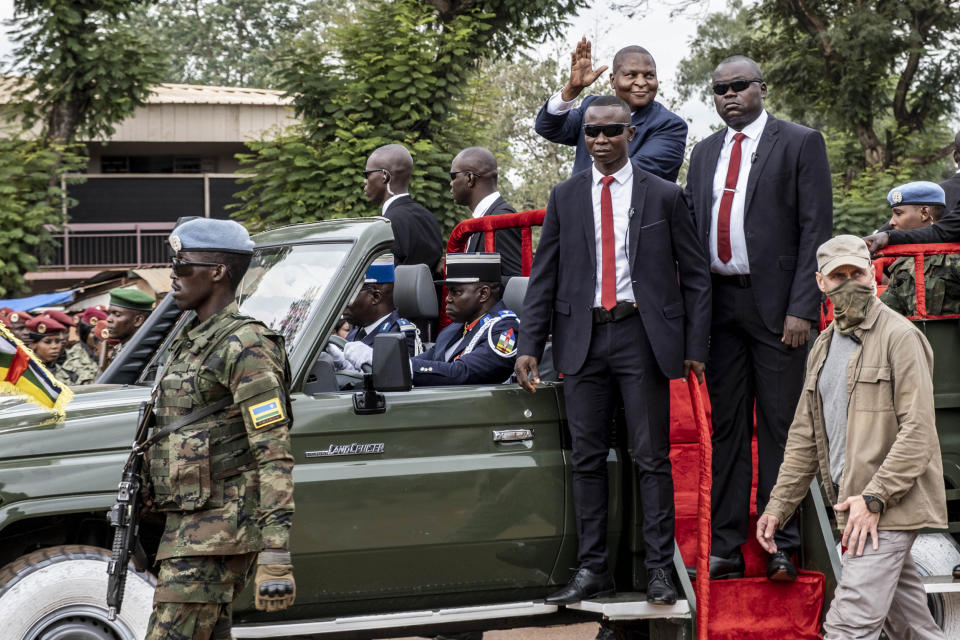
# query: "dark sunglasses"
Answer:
x=608 y=130
x=720 y=88
x=368 y=172
x=454 y=174
x=183 y=267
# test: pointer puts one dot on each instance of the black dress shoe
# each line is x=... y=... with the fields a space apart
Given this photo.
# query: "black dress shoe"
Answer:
x=584 y=584
x=660 y=589
x=780 y=568
x=723 y=568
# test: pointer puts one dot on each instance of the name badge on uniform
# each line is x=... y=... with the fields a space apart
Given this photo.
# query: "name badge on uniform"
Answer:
x=266 y=413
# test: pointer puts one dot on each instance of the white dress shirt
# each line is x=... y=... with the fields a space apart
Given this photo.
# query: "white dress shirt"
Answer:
x=739 y=262
x=372 y=327
x=621 y=194
x=557 y=106
x=485 y=204
x=391 y=199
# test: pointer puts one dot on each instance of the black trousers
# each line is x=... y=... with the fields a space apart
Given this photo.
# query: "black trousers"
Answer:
x=748 y=367
x=620 y=358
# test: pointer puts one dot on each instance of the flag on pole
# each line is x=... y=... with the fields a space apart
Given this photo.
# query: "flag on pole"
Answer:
x=23 y=375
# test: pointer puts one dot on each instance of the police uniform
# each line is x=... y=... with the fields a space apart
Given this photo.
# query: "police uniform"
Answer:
x=225 y=481
x=482 y=351
x=382 y=272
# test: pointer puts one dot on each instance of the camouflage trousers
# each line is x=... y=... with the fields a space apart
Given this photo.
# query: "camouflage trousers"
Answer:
x=195 y=594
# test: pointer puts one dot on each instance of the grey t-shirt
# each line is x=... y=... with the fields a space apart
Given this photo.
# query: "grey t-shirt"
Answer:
x=833 y=393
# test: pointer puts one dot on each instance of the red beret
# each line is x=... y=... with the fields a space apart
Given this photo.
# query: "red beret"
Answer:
x=101 y=331
x=60 y=317
x=16 y=318
x=42 y=325
x=91 y=315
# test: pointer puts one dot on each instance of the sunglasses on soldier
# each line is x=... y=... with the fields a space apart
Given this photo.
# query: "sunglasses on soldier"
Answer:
x=184 y=268
x=608 y=130
x=720 y=88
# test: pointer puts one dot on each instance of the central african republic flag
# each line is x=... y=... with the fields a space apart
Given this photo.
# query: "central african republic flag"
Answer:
x=22 y=374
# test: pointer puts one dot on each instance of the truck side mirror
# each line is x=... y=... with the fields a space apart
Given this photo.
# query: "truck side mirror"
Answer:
x=391 y=363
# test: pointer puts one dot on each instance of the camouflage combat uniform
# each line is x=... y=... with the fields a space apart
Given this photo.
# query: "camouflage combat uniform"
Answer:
x=79 y=367
x=225 y=481
x=941 y=275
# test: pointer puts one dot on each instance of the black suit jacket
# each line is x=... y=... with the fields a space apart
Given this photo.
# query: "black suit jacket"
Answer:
x=951 y=188
x=788 y=213
x=671 y=279
x=417 y=237
x=507 y=241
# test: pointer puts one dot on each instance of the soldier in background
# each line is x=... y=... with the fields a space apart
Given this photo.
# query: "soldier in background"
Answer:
x=46 y=336
x=915 y=205
x=128 y=310
x=16 y=321
x=236 y=518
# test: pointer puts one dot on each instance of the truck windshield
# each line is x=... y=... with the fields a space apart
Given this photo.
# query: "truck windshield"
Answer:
x=284 y=285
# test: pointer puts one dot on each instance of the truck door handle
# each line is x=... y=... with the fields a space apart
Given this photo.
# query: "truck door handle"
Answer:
x=513 y=435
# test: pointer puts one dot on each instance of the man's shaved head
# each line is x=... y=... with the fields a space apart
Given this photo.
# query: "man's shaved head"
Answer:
x=744 y=60
x=627 y=51
x=479 y=160
x=396 y=159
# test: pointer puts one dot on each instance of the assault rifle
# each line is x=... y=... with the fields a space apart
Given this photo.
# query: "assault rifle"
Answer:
x=124 y=515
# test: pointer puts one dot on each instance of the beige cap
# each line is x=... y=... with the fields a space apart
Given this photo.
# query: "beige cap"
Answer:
x=836 y=252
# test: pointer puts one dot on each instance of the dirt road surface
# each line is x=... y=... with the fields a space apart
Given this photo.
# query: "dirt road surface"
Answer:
x=586 y=631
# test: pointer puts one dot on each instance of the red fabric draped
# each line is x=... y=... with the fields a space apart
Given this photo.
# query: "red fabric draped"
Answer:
x=704 y=484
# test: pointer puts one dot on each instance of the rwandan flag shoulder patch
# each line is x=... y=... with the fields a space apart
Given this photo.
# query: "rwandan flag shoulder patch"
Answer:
x=266 y=413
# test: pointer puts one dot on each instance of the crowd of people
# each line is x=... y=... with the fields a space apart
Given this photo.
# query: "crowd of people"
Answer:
x=76 y=348
x=635 y=281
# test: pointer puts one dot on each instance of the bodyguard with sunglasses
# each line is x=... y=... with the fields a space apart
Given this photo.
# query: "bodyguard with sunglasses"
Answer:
x=760 y=190
x=417 y=237
x=623 y=279
x=223 y=478
x=660 y=137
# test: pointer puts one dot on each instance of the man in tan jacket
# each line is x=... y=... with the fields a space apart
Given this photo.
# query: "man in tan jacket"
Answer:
x=866 y=422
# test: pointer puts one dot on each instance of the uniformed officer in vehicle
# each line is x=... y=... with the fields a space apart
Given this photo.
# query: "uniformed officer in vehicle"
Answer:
x=480 y=346
x=372 y=310
x=224 y=480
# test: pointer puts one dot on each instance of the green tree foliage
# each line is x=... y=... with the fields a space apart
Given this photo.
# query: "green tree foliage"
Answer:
x=226 y=42
x=28 y=203
x=394 y=72
x=880 y=78
x=81 y=67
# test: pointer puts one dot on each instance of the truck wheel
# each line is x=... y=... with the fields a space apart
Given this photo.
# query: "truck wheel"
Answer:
x=59 y=593
x=936 y=554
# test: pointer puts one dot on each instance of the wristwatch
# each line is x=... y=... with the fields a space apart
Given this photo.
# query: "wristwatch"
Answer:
x=874 y=504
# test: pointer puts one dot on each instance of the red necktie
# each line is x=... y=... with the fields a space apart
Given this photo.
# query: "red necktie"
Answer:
x=724 y=252
x=608 y=265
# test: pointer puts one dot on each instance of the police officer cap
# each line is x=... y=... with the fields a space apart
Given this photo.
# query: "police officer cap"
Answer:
x=44 y=325
x=135 y=299
x=464 y=268
x=381 y=271
x=918 y=193
x=210 y=234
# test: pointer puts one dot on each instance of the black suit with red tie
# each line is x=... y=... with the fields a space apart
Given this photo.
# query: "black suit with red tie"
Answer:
x=636 y=350
x=787 y=214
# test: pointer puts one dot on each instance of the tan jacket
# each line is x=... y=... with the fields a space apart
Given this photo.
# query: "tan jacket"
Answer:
x=892 y=448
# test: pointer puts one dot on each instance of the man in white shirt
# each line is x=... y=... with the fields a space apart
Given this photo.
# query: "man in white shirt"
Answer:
x=760 y=190
x=473 y=184
x=417 y=237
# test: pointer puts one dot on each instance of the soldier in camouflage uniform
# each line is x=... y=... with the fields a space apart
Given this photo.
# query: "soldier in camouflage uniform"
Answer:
x=223 y=481
x=78 y=367
x=915 y=205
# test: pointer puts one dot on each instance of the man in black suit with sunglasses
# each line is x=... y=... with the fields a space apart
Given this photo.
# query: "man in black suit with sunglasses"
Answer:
x=623 y=279
x=417 y=237
x=760 y=190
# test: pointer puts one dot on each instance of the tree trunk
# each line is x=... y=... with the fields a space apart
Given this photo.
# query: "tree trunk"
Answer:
x=874 y=151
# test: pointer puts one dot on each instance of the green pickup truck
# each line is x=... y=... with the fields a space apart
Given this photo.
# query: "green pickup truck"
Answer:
x=418 y=510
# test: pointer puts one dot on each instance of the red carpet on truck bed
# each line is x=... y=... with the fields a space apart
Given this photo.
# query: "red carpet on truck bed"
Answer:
x=751 y=608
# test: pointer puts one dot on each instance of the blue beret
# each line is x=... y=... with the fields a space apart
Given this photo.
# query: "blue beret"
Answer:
x=381 y=271
x=917 y=193
x=210 y=234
